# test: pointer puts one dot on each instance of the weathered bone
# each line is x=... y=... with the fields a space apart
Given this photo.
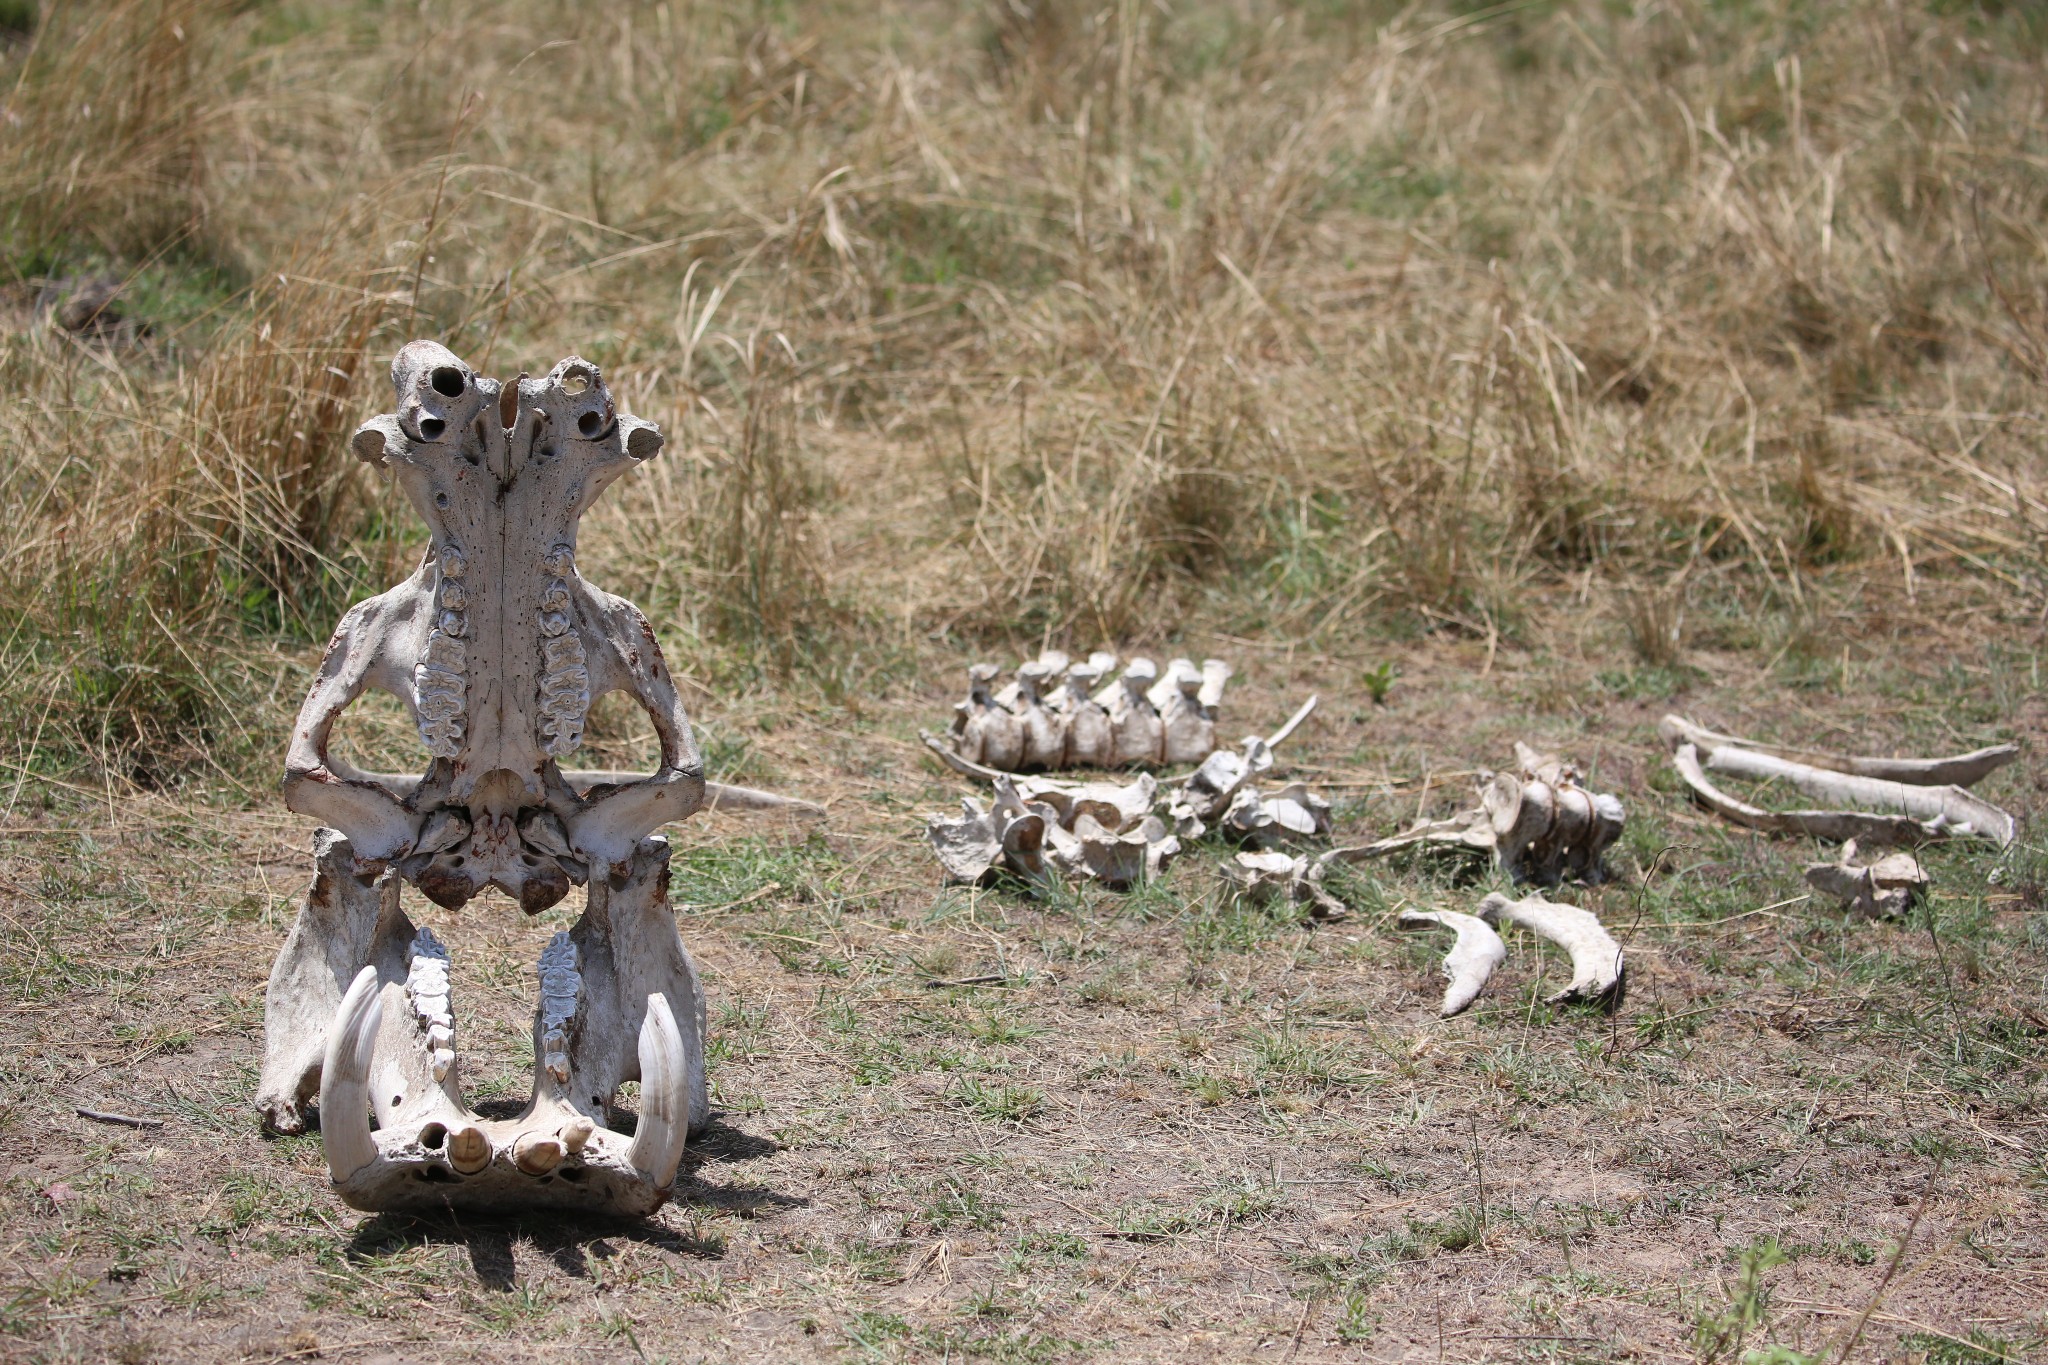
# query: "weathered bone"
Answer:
x=1472 y=958
x=1885 y=889
x=1140 y=735
x=1598 y=969
x=1264 y=875
x=1093 y=831
x=1963 y=770
x=1541 y=824
x=1888 y=801
x=498 y=647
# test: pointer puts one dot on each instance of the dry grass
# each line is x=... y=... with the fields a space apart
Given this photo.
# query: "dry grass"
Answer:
x=1572 y=357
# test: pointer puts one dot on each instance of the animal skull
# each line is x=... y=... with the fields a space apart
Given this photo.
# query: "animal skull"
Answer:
x=498 y=647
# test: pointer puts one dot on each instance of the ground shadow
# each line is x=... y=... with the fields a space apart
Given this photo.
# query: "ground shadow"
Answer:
x=573 y=1241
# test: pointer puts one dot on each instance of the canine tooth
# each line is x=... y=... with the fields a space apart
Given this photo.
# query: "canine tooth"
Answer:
x=469 y=1151
x=537 y=1153
x=345 y=1078
x=664 y=1095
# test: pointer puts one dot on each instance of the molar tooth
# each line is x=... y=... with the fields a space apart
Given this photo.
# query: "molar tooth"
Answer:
x=537 y=1153
x=469 y=1151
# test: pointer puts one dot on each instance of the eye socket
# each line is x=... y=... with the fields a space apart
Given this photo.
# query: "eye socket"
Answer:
x=576 y=382
x=432 y=427
x=590 y=423
x=448 y=381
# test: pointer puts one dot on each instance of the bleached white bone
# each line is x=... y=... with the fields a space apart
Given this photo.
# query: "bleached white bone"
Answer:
x=498 y=648
x=1598 y=969
x=1264 y=875
x=345 y=1078
x=1885 y=889
x=1906 y=804
x=1963 y=770
x=1472 y=958
x=664 y=1089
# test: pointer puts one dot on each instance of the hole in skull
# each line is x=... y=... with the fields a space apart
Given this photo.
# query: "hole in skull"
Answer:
x=397 y=1100
x=572 y=1174
x=431 y=428
x=576 y=382
x=448 y=381
x=508 y=405
x=441 y=500
x=590 y=423
x=436 y=1175
x=432 y=1136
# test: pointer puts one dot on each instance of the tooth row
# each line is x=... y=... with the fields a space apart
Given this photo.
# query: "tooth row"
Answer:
x=560 y=988
x=426 y=987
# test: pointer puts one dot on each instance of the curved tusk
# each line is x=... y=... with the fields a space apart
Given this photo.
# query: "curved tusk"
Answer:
x=345 y=1078
x=664 y=1095
x=1471 y=959
x=1597 y=967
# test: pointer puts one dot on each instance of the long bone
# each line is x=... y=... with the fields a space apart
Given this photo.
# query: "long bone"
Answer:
x=1598 y=968
x=1472 y=958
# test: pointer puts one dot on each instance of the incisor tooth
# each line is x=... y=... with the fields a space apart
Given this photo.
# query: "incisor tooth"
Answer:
x=469 y=1151
x=576 y=1133
x=537 y=1153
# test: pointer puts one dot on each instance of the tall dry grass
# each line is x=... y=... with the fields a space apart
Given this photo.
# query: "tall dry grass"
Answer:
x=1046 y=320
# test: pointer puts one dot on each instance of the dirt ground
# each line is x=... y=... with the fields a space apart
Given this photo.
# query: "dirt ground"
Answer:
x=1173 y=1127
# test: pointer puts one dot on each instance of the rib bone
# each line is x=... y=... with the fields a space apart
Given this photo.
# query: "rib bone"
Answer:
x=1597 y=964
x=1472 y=958
x=1892 y=801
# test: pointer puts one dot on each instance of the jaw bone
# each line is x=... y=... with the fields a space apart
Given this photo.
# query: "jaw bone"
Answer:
x=1597 y=964
x=430 y=1152
x=1470 y=961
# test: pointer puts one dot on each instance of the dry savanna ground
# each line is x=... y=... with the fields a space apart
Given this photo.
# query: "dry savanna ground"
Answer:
x=1498 y=372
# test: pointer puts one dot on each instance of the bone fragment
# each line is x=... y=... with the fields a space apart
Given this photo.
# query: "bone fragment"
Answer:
x=1139 y=735
x=1885 y=889
x=1871 y=808
x=1597 y=965
x=1045 y=731
x=1264 y=875
x=1472 y=958
x=1187 y=728
x=345 y=1078
x=658 y=1142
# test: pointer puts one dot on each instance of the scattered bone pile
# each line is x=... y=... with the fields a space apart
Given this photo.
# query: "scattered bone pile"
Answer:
x=1055 y=713
x=1117 y=834
x=1094 y=831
